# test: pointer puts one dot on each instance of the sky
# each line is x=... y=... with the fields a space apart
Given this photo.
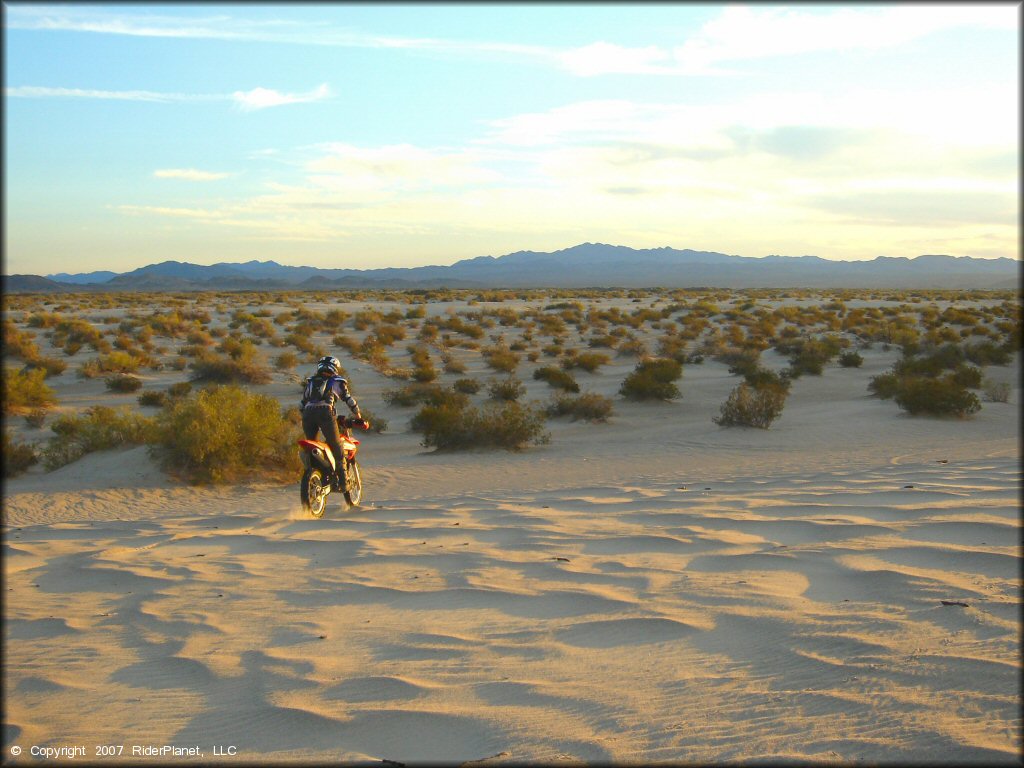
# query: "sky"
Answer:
x=371 y=135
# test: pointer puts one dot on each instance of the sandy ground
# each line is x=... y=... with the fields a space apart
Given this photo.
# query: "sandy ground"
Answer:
x=843 y=587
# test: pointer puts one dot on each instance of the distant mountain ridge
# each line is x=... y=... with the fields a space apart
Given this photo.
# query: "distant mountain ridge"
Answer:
x=581 y=266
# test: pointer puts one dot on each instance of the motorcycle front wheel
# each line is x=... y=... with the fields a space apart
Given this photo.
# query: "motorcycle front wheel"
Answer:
x=354 y=485
x=313 y=492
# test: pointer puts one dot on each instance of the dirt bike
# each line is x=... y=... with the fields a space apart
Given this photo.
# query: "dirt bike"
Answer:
x=319 y=463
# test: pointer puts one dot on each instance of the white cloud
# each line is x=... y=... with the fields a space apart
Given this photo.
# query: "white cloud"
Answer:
x=742 y=33
x=189 y=174
x=262 y=98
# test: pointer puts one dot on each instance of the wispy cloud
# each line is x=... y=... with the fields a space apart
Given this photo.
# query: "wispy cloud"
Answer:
x=189 y=174
x=248 y=101
x=262 y=98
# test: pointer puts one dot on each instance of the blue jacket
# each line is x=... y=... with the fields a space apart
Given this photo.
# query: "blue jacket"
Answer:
x=334 y=388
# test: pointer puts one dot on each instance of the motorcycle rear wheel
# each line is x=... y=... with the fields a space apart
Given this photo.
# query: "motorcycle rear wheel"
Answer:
x=313 y=492
x=354 y=489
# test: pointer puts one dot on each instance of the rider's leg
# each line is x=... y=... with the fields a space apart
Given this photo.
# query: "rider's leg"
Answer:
x=332 y=436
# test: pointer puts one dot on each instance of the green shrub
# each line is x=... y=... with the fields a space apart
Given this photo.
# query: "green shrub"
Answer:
x=987 y=353
x=179 y=389
x=153 y=397
x=967 y=376
x=501 y=359
x=507 y=389
x=589 y=405
x=885 y=385
x=123 y=382
x=52 y=365
x=851 y=360
x=653 y=379
x=226 y=433
x=18 y=456
x=557 y=377
x=26 y=389
x=100 y=428
x=935 y=397
x=509 y=425
x=750 y=406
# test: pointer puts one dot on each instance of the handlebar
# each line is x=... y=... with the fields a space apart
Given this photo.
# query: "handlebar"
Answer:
x=349 y=423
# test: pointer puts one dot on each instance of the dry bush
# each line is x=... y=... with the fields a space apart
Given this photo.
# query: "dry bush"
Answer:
x=851 y=360
x=996 y=391
x=588 y=361
x=226 y=433
x=154 y=397
x=589 y=405
x=286 y=361
x=506 y=389
x=752 y=406
x=243 y=363
x=123 y=382
x=500 y=358
x=467 y=386
x=18 y=456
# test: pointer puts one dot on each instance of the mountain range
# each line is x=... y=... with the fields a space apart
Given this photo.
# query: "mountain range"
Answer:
x=589 y=265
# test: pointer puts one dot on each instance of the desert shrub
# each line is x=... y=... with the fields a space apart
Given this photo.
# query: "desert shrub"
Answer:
x=100 y=428
x=885 y=385
x=36 y=417
x=752 y=406
x=286 y=361
x=506 y=389
x=123 y=382
x=378 y=424
x=18 y=343
x=509 y=425
x=588 y=361
x=653 y=379
x=851 y=360
x=179 y=389
x=452 y=364
x=996 y=391
x=811 y=355
x=52 y=365
x=967 y=376
x=987 y=353
x=18 y=456
x=119 y=361
x=501 y=359
x=467 y=386
x=179 y=363
x=432 y=394
x=589 y=405
x=153 y=397
x=557 y=377
x=26 y=389
x=935 y=397
x=226 y=433
x=243 y=363
x=632 y=348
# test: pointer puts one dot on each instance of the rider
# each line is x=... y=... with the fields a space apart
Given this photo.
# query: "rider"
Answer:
x=323 y=389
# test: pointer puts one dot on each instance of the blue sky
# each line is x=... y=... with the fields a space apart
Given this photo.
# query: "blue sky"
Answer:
x=369 y=135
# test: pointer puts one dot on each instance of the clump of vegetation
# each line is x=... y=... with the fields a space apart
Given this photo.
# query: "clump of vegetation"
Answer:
x=500 y=358
x=242 y=363
x=588 y=361
x=100 y=428
x=123 y=382
x=508 y=425
x=557 y=377
x=36 y=417
x=286 y=361
x=18 y=456
x=226 y=433
x=653 y=379
x=153 y=397
x=754 y=405
x=589 y=405
x=414 y=394
x=466 y=386
x=935 y=397
x=506 y=389
x=851 y=359
x=25 y=389
x=996 y=391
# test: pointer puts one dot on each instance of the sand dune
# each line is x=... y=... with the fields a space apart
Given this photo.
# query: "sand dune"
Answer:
x=792 y=616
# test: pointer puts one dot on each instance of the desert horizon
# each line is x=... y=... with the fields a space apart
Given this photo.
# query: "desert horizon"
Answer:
x=604 y=570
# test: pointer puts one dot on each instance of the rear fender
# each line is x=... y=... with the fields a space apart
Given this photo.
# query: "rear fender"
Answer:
x=316 y=454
